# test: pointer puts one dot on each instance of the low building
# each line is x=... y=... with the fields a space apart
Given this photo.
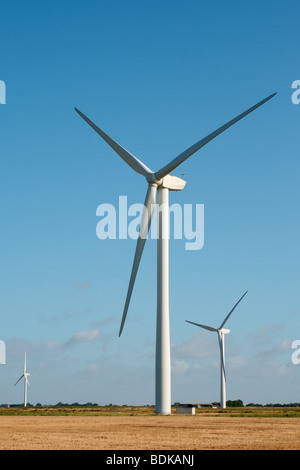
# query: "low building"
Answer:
x=186 y=408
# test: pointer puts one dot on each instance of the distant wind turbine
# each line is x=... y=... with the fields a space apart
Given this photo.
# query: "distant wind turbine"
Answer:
x=26 y=382
x=221 y=332
x=160 y=182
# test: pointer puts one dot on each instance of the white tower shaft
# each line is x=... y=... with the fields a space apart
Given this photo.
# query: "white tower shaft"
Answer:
x=163 y=356
x=25 y=391
x=222 y=367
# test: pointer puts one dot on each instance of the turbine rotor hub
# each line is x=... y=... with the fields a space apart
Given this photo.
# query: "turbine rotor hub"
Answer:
x=151 y=179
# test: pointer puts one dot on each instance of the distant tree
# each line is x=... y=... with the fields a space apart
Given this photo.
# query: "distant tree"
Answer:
x=234 y=403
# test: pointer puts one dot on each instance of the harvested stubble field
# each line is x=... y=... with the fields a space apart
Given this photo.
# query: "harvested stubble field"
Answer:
x=138 y=428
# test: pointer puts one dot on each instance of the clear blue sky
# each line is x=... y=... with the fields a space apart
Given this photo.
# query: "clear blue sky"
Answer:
x=157 y=76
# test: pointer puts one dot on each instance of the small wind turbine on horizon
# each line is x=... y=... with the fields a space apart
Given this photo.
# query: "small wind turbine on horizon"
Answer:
x=26 y=382
x=159 y=184
x=221 y=332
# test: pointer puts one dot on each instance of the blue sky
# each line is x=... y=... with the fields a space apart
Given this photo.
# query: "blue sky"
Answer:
x=157 y=76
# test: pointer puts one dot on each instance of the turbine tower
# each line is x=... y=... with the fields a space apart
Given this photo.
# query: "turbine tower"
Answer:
x=26 y=382
x=159 y=184
x=221 y=332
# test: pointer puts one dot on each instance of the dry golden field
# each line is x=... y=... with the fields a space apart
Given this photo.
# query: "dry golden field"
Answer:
x=139 y=429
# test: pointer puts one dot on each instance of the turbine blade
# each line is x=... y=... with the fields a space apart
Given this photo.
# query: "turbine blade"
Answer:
x=19 y=379
x=232 y=311
x=191 y=150
x=147 y=214
x=222 y=356
x=130 y=159
x=210 y=328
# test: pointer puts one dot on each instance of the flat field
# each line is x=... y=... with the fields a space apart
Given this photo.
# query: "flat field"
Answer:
x=138 y=428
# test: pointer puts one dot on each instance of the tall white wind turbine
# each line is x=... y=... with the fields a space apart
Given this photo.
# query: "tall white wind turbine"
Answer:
x=221 y=332
x=159 y=184
x=26 y=382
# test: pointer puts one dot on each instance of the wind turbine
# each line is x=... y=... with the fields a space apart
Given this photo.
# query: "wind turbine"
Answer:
x=26 y=382
x=221 y=332
x=159 y=184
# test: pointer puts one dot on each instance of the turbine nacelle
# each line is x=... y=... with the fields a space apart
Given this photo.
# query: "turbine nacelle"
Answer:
x=173 y=183
x=26 y=375
x=223 y=331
